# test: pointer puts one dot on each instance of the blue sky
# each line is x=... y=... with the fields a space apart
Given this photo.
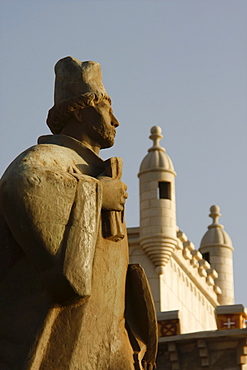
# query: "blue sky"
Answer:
x=177 y=64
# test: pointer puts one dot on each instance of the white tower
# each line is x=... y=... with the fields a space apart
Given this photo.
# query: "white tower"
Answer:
x=216 y=248
x=157 y=204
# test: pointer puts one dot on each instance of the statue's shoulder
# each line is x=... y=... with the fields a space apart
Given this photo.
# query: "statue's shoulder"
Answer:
x=43 y=155
x=41 y=169
x=48 y=154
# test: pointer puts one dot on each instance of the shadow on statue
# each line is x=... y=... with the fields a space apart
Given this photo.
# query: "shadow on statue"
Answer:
x=65 y=301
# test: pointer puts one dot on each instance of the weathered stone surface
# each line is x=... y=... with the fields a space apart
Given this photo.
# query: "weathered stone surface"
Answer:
x=62 y=281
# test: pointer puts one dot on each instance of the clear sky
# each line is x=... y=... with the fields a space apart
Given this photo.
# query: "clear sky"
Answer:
x=181 y=65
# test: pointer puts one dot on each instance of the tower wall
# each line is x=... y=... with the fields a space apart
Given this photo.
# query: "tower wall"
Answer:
x=216 y=247
x=157 y=216
x=157 y=204
x=221 y=260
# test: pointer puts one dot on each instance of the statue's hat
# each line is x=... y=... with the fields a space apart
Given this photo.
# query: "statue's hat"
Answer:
x=75 y=78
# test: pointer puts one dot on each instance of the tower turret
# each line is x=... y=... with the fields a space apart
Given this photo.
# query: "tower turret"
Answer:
x=216 y=248
x=157 y=203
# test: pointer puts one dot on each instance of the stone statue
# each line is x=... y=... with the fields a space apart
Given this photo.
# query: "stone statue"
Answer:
x=65 y=301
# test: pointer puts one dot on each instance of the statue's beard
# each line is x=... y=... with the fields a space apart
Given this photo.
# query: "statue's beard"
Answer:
x=104 y=136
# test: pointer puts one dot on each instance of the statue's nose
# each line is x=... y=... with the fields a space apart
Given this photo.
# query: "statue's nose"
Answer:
x=114 y=121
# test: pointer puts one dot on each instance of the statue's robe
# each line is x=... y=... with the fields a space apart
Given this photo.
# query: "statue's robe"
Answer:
x=62 y=285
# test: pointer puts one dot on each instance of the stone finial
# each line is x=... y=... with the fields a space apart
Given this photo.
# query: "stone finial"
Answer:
x=215 y=215
x=156 y=136
x=157 y=158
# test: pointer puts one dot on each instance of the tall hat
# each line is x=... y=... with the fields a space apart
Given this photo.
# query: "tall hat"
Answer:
x=75 y=78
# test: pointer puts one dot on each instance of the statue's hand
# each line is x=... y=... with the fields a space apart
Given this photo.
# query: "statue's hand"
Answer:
x=114 y=194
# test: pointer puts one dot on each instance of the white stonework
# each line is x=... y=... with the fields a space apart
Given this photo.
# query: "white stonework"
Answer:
x=180 y=278
x=157 y=204
x=218 y=245
x=181 y=286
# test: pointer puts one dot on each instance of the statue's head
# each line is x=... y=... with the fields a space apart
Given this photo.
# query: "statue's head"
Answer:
x=80 y=95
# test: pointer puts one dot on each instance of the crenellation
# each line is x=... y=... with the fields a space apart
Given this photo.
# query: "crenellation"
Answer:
x=202 y=272
x=213 y=273
x=202 y=266
x=181 y=235
x=188 y=244
x=210 y=280
x=186 y=253
x=196 y=256
x=217 y=290
x=179 y=245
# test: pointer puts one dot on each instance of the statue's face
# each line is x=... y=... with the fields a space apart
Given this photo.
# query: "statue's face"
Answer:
x=101 y=124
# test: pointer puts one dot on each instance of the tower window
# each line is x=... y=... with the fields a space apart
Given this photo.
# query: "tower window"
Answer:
x=164 y=191
x=206 y=256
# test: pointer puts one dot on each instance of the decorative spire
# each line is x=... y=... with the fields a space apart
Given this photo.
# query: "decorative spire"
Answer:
x=216 y=245
x=215 y=215
x=156 y=136
x=157 y=158
x=215 y=235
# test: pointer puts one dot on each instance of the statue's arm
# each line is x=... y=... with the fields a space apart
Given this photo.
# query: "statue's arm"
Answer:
x=54 y=216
